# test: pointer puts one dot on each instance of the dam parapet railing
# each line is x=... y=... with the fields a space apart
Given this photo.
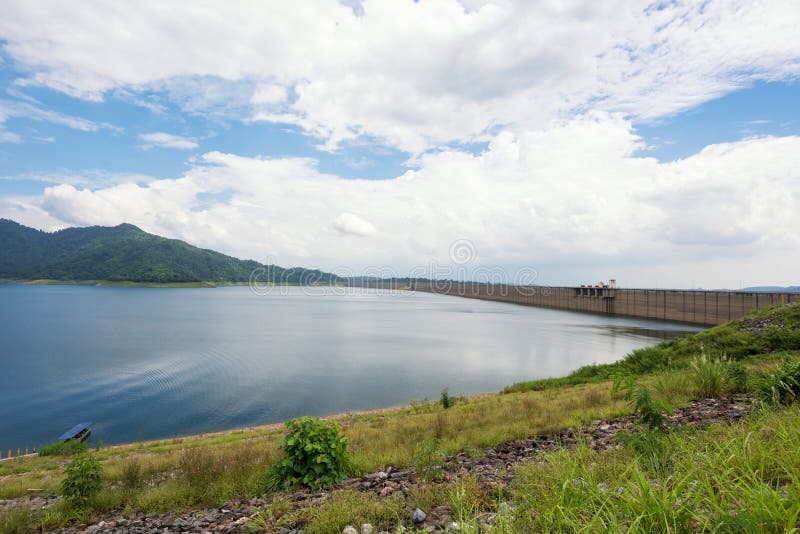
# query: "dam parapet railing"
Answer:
x=689 y=306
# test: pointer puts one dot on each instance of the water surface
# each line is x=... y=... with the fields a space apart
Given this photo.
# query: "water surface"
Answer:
x=146 y=363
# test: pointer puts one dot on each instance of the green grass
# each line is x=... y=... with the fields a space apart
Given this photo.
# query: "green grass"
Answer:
x=740 y=478
x=729 y=340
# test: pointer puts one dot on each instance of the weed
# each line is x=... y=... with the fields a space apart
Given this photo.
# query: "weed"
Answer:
x=782 y=385
x=352 y=508
x=651 y=448
x=199 y=468
x=707 y=375
x=428 y=459
x=63 y=448
x=466 y=497
x=16 y=520
x=82 y=482
x=132 y=474
x=736 y=377
x=650 y=411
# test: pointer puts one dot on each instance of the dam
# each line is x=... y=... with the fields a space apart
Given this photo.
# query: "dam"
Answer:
x=690 y=306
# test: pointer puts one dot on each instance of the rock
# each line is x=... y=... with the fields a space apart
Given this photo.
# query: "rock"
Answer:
x=366 y=528
x=349 y=530
x=418 y=516
x=504 y=508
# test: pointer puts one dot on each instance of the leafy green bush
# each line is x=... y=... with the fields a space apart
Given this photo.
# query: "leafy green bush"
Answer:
x=315 y=455
x=781 y=386
x=428 y=459
x=63 y=448
x=649 y=410
x=82 y=483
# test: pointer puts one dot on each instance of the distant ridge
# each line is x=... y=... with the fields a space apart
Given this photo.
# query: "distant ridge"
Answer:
x=127 y=253
x=772 y=289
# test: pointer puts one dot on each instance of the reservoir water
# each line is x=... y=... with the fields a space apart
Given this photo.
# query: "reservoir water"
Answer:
x=148 y=363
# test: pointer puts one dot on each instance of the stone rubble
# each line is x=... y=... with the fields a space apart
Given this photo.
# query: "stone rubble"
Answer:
x=493 y=466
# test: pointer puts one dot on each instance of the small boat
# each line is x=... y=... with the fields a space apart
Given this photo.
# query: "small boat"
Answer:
x=79 y=432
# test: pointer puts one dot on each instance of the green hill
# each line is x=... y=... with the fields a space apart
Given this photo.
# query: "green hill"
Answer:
x=126 y=253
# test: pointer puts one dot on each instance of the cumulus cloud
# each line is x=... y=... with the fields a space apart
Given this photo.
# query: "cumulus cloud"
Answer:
x=349 y=223
x=165 y=140
x=413 y=75
x=573 y=200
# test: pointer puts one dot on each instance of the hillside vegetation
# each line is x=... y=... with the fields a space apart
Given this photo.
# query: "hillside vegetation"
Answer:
x=125 y=253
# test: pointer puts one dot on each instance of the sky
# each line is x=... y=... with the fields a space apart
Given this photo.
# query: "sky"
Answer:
x=549 y=142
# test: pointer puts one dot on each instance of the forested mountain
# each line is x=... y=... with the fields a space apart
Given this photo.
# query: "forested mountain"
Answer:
x=126 y=253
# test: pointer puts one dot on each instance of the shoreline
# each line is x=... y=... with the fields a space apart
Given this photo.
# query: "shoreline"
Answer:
x=272 y=427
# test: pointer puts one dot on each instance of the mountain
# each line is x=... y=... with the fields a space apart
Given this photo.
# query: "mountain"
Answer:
x=126 y=253
x=772 y=289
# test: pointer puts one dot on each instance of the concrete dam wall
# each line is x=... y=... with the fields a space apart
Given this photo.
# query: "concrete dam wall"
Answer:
x=701 y=307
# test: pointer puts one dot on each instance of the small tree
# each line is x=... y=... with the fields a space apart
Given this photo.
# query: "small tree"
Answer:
x=446 y=400
x=315 y=454
x=650 y=411
x=82 y=483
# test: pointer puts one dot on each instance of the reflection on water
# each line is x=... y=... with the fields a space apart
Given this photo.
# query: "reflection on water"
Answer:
x=149 y=363
x=667 y=331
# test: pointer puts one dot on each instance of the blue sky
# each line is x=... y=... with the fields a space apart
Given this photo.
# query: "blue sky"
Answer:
x=766 y=109
x=657 y=145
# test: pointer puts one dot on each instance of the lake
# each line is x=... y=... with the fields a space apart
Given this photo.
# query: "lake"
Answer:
x=147 y=363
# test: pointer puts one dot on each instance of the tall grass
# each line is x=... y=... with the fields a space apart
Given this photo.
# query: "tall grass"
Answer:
x=741 y=478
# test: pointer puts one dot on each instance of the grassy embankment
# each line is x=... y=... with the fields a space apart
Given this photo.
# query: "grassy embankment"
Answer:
x=741 y=475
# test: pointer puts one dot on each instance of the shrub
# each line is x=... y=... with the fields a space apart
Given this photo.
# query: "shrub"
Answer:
x=63 y=448
x=428 y=459
x=446 y=400
x=82 y=483
x=649 y=410
x=315 y=455
x=781 y=386
x=736 y=377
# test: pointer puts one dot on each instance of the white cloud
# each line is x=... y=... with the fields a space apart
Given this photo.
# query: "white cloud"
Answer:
x=9 y=137
x=573 y=201
x=16 y=108
x=165 y=140
x=269 y=94
x=352 y=224
x=413 y=75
